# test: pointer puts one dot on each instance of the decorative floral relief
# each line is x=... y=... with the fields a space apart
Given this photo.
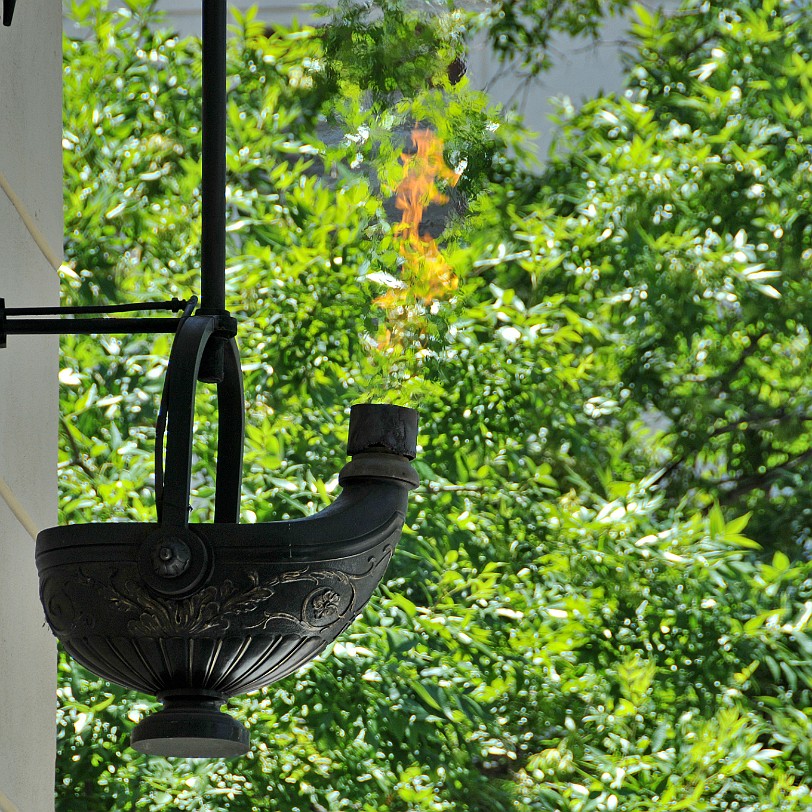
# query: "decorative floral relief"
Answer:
x=215 y=609
x=303 y=601
x=64 y=617
x=325 y=604
x=212 y=609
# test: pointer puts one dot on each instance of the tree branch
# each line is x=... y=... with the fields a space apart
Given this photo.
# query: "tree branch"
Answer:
x=750 y=483
x=76 y=454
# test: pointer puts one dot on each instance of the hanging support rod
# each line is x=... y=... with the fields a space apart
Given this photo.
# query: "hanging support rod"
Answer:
x=213 y=236
x=213 y=242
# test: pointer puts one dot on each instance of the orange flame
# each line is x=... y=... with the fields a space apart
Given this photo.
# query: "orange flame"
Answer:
x=430 y=275
x=426 y=273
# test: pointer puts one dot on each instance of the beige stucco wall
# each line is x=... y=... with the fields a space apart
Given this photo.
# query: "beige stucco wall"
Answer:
x=30 y=252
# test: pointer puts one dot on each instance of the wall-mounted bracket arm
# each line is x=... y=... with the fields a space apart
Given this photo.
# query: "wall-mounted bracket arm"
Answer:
x=17 y=321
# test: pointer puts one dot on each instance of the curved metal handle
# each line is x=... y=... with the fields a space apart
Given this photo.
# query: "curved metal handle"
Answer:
x=184 y=363
x=230 y=438
x=8 y=11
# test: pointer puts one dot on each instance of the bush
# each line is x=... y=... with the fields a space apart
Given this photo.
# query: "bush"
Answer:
x=613 y=381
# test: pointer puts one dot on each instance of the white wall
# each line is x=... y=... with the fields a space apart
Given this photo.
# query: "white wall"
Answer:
x=30 y=252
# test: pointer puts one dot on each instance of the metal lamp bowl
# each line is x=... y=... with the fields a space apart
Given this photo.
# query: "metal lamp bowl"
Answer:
x=200 y=613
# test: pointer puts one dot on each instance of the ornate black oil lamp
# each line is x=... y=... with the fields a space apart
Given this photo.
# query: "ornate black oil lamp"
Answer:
x=198 y=613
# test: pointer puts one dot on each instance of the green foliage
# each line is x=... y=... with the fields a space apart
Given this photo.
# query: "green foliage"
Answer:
x=677 y=218
x=602 y=600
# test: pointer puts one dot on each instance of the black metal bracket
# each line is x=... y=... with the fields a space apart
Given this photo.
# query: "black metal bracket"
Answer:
x=18 y=321
x=8 y=11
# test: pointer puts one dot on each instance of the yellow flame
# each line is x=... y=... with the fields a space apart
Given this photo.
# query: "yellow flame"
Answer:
x=427 y=274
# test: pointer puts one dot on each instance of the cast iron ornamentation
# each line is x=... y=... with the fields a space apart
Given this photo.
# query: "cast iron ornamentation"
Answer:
x=197 y=613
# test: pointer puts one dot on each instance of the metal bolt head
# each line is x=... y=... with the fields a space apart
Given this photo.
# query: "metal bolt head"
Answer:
x=174 y=562
x=171 y=557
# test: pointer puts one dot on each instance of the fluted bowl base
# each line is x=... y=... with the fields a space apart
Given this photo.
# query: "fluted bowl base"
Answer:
x=191 y=725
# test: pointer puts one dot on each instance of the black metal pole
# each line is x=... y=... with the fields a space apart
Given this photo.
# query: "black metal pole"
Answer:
x=27 y=327
x=213 y=261
x=213 y=238
x=133 y=307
